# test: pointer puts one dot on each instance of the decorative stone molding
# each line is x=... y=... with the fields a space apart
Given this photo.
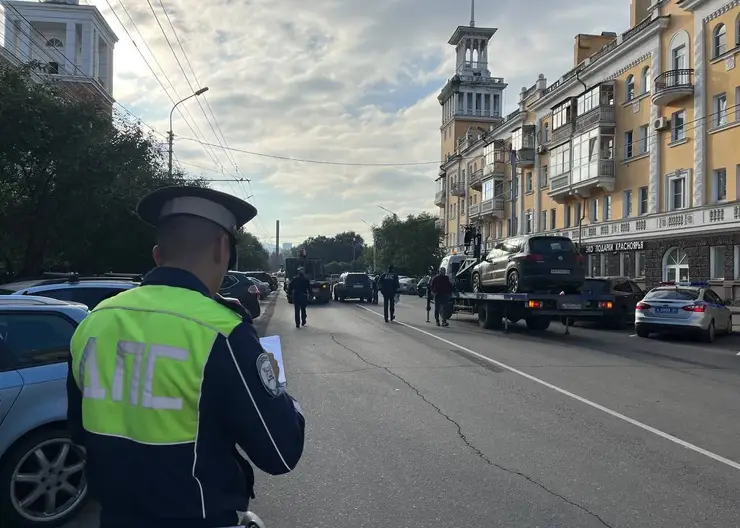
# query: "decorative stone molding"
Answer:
x=629 y=66
x=699 y=180
x=655 y=139
x=722 y=10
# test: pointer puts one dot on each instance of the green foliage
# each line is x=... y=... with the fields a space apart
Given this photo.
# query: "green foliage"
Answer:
x=411 y=245
x=343 y=247
x=71 y=173
x=333 y=268
x=252 y=256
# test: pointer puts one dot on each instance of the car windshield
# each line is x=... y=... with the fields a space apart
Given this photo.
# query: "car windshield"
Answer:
x=673 y=295
x=551 y=245
x=596 y=286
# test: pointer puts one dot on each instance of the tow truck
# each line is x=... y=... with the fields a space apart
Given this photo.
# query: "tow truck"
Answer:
x=314 y=268
x=496 y=311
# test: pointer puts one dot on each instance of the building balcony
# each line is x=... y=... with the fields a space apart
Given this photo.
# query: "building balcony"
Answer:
x=440 y=198
x=597 y=175
x=476 y=179
x=525 y=157
x=672 y=85
x=474 y=210
x=492 y=207
x=471 y=66
x=562 y=133
x=457 y=189
x=600 y=116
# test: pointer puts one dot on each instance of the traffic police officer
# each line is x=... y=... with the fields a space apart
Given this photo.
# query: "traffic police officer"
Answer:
x=168 y=378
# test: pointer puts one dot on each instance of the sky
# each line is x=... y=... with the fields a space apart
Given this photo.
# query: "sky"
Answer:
x=342 y=81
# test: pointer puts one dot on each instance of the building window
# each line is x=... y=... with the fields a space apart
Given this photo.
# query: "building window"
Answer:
x=543 y=176
x=487 y=190
x=628 y=144
x=553 y=222
x=54 y=43
x=627 y=204
x=645 y=79
x=643 y=196
x=462 y=208
x=720 y=110
x=543 y=219
x=717 y=262
x=629 y=88
x=516 y=140
x=560 y=160
x=627 y=266
x=676 y=192
x=678 y=128
x=644 y=139
x=719 y=184
x=529 y=182
x=528 y=223
x=679 y=56
x=566 y=217
x=607 y=208
x=578 y=214
x=585 y=156
x=719 y=41
x=594 y=213
x=561 y=115
x=640 y=261
x=546 y=133
x=675 y=265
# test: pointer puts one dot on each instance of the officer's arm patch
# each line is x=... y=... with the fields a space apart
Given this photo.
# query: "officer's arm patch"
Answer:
x=267 y=374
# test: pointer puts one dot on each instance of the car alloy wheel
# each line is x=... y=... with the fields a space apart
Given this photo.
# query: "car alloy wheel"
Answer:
x=49 y=481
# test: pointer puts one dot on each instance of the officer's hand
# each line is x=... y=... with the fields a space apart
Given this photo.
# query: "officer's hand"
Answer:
x=275 y=366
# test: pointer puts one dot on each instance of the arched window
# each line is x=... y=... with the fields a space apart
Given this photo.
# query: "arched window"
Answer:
x=645 y=79
x=719 y=42
x=629 y=88
x=675 y=265
x=54 y=43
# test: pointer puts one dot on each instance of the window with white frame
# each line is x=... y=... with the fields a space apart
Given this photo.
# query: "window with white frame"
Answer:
x=675 y=265
x=562 y=115
x=528 y=222
x=676 y=192
x=560 y=160
x=678 y=125
x=594 y=212
x=640 y=262
x=543 y=176
x=529 y=184
x=543 y=221
x=720 y=110
x=629 y=140
x=645 y=79
x=642 y=195
x=719 y=40
x=629 y=88
x=717 y=262
x=553 y=218
x=487 y=190
x=516 y=139
x=643 y=134
x=585 y=156
x=627 y=204
x=719 y=185
x=607 y=208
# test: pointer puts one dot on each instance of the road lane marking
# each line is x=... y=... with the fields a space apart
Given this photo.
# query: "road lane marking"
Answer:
x=615 y=414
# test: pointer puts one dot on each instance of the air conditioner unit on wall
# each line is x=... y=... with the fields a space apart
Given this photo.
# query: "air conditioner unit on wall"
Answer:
x=541 y=149
x=662 y=123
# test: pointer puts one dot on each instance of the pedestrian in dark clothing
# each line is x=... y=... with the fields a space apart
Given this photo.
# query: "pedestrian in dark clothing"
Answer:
x=300 y=290
x=375 y=289
x=388 y=285
x=441 y=288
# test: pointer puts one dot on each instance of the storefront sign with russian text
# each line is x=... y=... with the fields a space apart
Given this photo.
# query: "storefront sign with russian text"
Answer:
x=635 y=245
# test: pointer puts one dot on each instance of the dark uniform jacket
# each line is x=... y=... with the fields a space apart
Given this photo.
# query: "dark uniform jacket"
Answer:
x=300 y=289
x=198 y=484
x=389 y=284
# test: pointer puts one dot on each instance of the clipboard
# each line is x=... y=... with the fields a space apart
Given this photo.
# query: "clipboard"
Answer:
x=272 y=345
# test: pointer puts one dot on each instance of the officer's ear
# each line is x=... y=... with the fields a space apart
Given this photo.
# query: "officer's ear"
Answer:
x=157 y=255
x=222 y=249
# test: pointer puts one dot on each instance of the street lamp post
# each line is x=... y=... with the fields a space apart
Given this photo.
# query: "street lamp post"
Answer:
x=375 y=247
x=388 y=211
x=170 y=134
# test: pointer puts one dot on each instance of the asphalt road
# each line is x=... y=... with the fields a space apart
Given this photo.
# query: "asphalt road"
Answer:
x=411 y=425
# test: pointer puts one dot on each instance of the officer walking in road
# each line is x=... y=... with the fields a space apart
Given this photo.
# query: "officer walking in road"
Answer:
x=165 y=376
x=299 y=290
x=389 y=288
x=440 y=287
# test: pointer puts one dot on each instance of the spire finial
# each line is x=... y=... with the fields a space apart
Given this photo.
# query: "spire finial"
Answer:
x=472 y=13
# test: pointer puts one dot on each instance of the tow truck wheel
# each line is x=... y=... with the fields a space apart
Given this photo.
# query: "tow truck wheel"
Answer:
x=512 y=282
x=488 y=317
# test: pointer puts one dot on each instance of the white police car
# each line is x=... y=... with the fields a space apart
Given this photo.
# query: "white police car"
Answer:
x=683 y=308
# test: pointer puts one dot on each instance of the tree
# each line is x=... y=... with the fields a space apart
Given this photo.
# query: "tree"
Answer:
x=411 y=245
x=70 y=177
x=343 y=247
x=252 y=255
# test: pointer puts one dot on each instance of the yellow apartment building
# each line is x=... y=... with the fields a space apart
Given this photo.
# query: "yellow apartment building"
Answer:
x=634 y=153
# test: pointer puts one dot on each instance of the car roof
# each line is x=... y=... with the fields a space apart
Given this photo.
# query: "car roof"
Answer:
x=72 y=279
x=34 y=300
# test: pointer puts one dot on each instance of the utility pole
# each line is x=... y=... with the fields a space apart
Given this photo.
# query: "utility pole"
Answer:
x=277 y=243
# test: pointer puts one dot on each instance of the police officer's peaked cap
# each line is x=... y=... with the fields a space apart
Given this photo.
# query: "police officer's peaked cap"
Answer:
x=226 y=210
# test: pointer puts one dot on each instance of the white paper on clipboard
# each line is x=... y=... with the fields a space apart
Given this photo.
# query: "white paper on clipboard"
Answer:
x=272 y=345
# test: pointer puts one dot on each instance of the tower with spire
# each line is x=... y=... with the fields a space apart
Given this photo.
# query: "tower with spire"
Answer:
x=471 y=97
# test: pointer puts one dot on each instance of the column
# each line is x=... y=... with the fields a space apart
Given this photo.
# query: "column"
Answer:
x=109 y=84
x=70 y=41
x=700 y=168
x=655 y=139
x=465 y=103
x=520 y=204
x=86 y=56
x=475 y=102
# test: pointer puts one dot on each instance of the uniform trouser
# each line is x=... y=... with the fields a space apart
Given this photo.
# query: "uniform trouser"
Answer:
x=299 y=308
x=389 y=306
x=440 y=302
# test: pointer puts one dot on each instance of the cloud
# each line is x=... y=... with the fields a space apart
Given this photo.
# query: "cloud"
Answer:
x=327 y=80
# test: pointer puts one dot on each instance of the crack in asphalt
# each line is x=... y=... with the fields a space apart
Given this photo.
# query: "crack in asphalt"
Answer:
x=467 y=441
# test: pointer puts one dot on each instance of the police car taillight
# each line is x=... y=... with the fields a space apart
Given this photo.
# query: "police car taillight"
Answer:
x=696 y=308
x=642 y=306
